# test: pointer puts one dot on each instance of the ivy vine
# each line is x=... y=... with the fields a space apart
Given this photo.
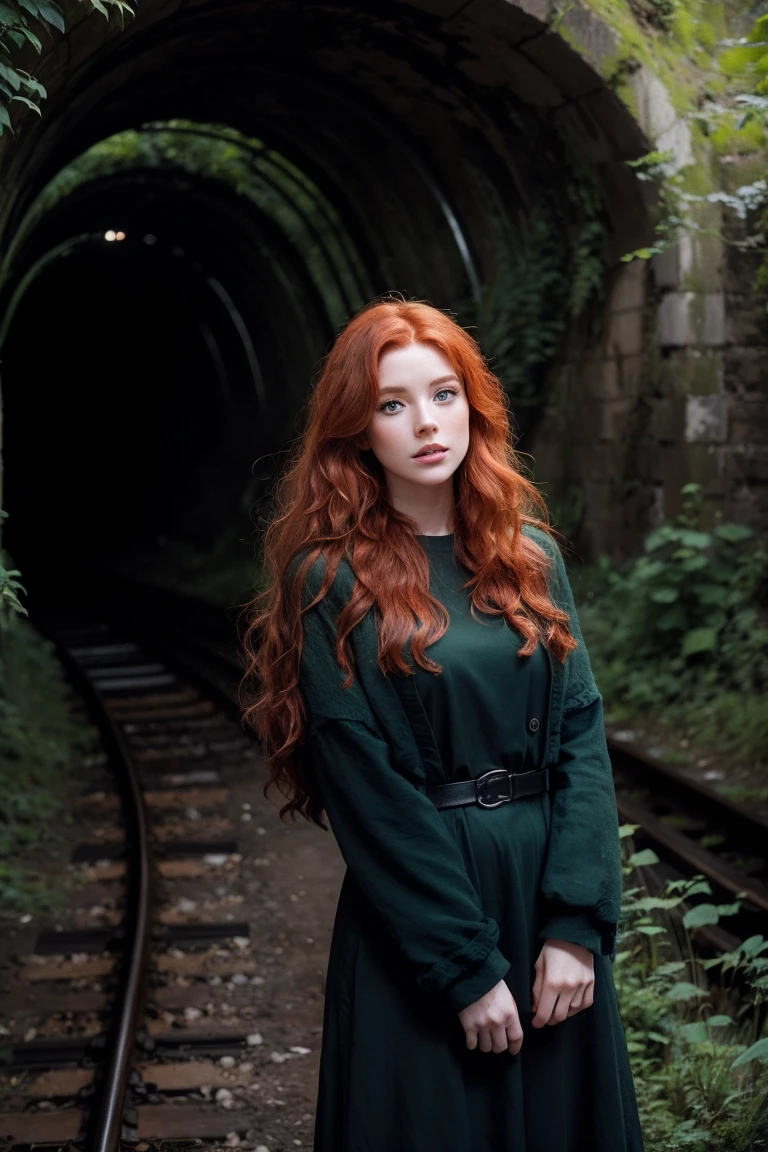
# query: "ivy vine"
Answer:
x=23 y=23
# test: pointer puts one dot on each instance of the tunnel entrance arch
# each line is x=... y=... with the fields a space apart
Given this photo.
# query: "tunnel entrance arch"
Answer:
x=465 y=152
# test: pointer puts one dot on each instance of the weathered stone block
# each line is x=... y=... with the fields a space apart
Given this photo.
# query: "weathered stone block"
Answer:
x=628 y=289
x=706 y=419
x=592 y=37
x=746 y=323
x=695 y=371
x=602 y=379
x=608 y=421
x=704 y=466
x=701 y=262
x=691 y=318
x=745 y=370
x=666 y=267
x=630 y=369
x=668 y=420
x=625 y=333
x=746 y=465
x=659 y=119
x=748 y=423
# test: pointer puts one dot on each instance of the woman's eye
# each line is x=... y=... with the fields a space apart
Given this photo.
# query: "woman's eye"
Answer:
x=385 y=406
x=445 y=392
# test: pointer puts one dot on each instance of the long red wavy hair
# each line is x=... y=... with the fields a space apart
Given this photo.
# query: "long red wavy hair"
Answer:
x=332 y=500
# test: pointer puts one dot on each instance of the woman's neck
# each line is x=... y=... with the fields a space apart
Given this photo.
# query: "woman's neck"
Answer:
x=433 y=509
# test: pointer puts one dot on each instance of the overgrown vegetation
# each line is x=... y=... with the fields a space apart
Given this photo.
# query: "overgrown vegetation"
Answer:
x=683 y=628
x=22 y=24
x=695 y=1027
x=38 y=741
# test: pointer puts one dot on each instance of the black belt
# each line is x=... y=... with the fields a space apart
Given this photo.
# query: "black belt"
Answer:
x=491 y=789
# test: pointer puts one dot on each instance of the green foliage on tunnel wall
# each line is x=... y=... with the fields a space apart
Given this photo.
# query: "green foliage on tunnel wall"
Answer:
x=712 y=60
x=548 y=272
x=251 y=169
x=23 y=26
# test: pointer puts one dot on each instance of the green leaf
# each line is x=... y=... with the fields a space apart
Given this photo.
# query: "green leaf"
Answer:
x=5 y=120
x=11 y=76
x=644 y=858
x=665 y=595
x=718 y=1021
x=51 y=13
x=758 y=1051
x=692 y=539
x=29 y=104
x=650 y=929
x=33 y=40
x=658 y=1037
x=698 y=886
x=684 y=991
x=729 y=909
x=17 y=38
x=700 y=915
x=733 y=533
x=753 y=945
x=699 y=640
x=694 y=1033
x=694 y=563
x=33 y=85
x=648 y=903
x=627 y=830
x=8 y=15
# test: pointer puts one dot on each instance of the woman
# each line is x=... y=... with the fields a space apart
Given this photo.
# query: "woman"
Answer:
x=423 y=681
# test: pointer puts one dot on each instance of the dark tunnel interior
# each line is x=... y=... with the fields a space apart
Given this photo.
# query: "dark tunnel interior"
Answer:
x=258 y=180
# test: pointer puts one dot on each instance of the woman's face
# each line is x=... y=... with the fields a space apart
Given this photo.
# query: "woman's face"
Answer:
x=421 y=402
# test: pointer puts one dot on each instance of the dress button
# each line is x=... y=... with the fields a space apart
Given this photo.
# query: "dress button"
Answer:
x=533 y=724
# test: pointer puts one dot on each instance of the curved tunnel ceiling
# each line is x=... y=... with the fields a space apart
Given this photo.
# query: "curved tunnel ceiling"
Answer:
x=388 y=149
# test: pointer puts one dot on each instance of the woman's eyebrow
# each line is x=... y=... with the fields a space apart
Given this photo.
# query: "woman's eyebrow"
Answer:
x=405 y=388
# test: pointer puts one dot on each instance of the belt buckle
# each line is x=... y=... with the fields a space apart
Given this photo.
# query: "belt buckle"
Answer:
x=498 y=772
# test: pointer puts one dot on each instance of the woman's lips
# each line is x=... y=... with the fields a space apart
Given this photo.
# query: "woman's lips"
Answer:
x=431 y=457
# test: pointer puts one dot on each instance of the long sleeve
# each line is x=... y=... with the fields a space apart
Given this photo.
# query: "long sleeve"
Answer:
x=582 y=883
x=390 y=834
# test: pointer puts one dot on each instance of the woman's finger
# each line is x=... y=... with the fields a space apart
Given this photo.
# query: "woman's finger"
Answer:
x=547 y=1001
x=514 y=1038
x=499 y=1038
x=560 y=1011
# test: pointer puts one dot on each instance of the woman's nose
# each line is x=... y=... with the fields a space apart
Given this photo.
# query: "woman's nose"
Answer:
x=425 y=422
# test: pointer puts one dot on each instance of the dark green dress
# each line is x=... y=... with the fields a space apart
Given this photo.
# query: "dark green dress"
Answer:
x=396 y=1074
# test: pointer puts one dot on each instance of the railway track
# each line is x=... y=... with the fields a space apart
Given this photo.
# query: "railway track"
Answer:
x=123 y=1024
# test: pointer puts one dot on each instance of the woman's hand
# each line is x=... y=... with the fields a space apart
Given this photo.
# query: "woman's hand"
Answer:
x=565 y=982
x=493 y=1022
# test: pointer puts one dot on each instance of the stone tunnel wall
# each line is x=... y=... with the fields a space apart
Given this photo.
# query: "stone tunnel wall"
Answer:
x=675 y=388
x=672 y=386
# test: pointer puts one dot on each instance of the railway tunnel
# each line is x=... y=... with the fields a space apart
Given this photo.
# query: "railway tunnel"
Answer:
x=211 y=193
